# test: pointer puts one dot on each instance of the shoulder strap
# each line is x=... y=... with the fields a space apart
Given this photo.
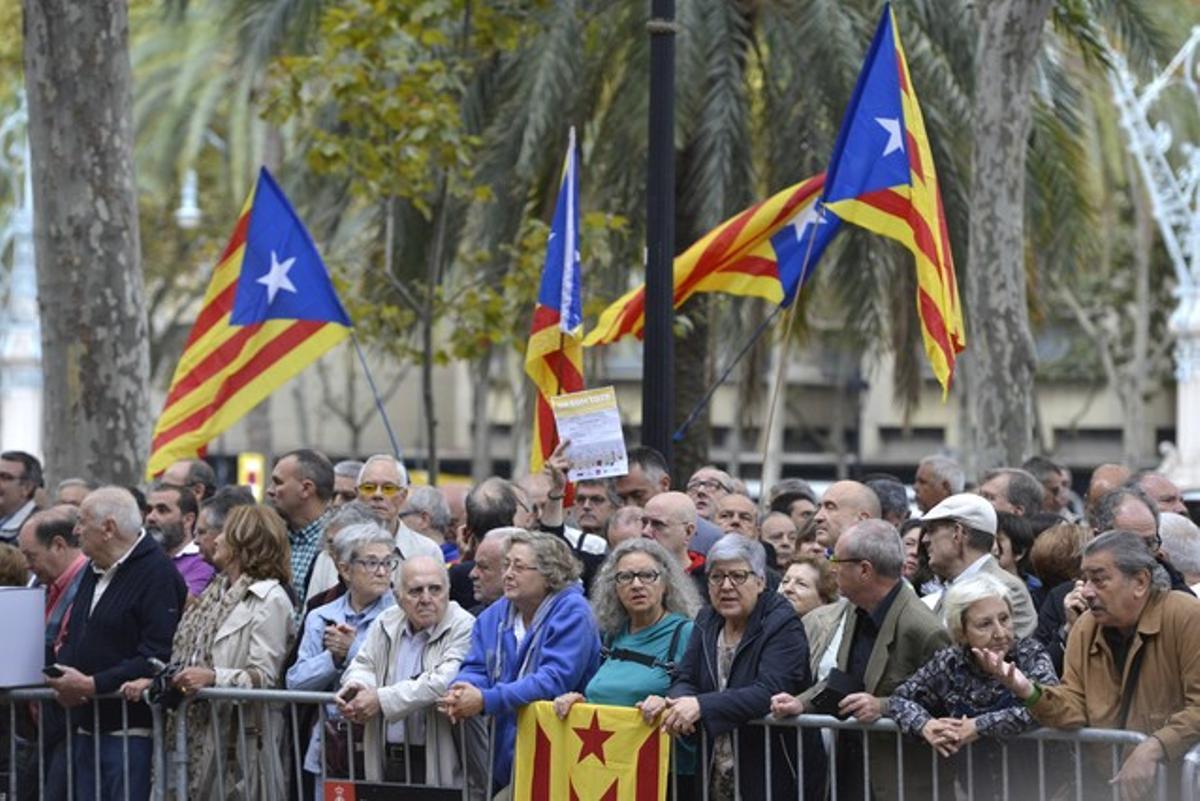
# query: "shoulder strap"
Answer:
x=1135 y=668
x=626 y=655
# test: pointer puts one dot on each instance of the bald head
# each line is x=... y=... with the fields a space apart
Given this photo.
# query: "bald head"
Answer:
x=1105 y=479
x=1163 y=492
x=843 y=504
x=677 y=506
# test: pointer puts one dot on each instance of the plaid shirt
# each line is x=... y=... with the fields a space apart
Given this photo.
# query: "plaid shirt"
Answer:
x=305 y=544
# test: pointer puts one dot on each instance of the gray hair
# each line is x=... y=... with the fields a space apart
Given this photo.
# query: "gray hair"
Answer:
x=348 y=468
x=1104 y=515
x=609 y=486
x=355 y=513
x=946 y=469
x=1181 y=542
x=553 y=557
x=679 y=593
x=1131 y=556
x=878 y=542
x=501 y=536
x=118 y=505
x=737 y=547
x=430 y=501
x=351 y=540
x=893 y=497
x=384 y=457
x=962 y=594
x=75 y=482
x=1023 y=489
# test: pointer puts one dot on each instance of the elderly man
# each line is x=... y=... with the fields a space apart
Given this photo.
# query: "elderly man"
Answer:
x=893 y=498
x=300 y=489
x=1012 y=490
x=492 y=503
x=778 y=530
x=345 y=481
x=170 y=521
x=194 y=475
x=648 y=476
x=596 y=500
x=411 y=653
x=961 y=531
x=51 y=550
x=20 y=478
x=884 y=633
x=843 y=504
x=72 y=491
x=487 y=573
x=383 y=484
x=428 y=514
x=124 y=615
x=1162 y=491
x=670 y=520
x=1105 y=478
x=1054 y=484
x=737 y=514
x=543 y=499
x=706 y=488
x=1132 y=662
x=938 y=477
x=625 y=524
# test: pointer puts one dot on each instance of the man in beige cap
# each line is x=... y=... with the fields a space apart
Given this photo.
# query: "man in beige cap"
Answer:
x=960 y=531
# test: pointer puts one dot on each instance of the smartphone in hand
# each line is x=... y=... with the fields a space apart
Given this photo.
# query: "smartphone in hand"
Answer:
x=52 y=672
x=347 y=695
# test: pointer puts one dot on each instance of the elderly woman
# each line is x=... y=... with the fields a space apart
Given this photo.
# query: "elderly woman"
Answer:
x=534 y=644
x=236 y=635
x=808 y=583
x=746 y=647
x=644 y=604
x=334 y=632
x=953 y=701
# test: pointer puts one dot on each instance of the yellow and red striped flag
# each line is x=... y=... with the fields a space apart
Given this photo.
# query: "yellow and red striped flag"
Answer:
x=554 y=356
x=882 y=177
x=597 y=752
x=270 y=310
x=765 y=251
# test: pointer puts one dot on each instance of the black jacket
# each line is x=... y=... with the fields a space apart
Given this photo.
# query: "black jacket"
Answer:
x=133 y=622
x=772 y=657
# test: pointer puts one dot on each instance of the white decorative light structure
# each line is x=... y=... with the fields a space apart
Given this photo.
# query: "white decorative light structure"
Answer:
x=1174 y=191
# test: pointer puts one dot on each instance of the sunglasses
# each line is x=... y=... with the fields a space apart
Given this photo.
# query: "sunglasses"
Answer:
x=386 y=490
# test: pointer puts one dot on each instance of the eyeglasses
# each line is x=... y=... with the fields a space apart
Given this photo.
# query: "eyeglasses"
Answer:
x=709 y=484
x=516 y=567
x=738 y=577
x=387 y=490
x=626 y=577
x=1153 y=543
x=434 y=590
x=373 y=565
x=833 y=560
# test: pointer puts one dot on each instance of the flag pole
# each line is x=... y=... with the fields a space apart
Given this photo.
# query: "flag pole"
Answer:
x=787 y=339
x=387 y=424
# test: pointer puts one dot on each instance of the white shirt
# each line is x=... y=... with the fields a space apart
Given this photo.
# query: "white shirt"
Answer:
x=969 y=571
x=106 y=576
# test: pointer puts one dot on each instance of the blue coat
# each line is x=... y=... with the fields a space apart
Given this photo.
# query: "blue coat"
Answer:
x=772 y=657
x=559 y=654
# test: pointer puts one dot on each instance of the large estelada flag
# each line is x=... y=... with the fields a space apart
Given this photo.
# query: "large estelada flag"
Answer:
x=598 y=753
x=270 y=310
x=881 y=177
x=768 y=251
x=554 y=355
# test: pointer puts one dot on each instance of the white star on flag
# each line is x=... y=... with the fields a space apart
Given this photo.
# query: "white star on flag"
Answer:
x=892 y=126
x=810 y=216
x=277 y=278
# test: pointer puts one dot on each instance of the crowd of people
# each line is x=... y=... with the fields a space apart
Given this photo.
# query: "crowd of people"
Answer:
x=434 y=615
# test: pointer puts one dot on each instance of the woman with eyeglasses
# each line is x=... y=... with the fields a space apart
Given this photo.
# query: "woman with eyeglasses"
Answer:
x=236 y=635
x=644 y=604
x=534 y=644
x=333 y=633
x=746 y=647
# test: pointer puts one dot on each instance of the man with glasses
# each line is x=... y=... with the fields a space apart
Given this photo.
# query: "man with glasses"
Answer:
x=885 y=635
x=706 y=488
x=670 y=520
x=20 y=477
x=648 y=476
x=383 y=485
x=960 y=532
x=595 y=502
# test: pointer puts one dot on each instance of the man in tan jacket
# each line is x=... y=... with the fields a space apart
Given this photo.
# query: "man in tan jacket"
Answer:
x=411 y=653
x=1142 y=632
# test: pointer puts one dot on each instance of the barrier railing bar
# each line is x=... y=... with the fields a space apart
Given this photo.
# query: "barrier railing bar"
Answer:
x=125 y=745
x=1078 y=772
x=95 y=749
x=866 y=765
x=767 y=761
x=298 y=737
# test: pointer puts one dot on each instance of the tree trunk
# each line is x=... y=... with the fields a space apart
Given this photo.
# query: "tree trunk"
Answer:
x=1134 y=450
x=1000 y=359
x=95 y=339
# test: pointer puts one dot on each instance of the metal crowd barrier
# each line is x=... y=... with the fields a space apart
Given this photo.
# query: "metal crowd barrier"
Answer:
x=1048 y=786
x=1191 y=775
x=28 y=771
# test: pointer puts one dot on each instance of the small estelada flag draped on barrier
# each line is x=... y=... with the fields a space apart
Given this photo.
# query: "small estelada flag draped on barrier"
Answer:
x=598 y=753
x=270 y=310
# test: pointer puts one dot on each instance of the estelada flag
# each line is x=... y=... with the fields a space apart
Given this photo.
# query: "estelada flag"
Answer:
x=598 y=753
x=270 y=310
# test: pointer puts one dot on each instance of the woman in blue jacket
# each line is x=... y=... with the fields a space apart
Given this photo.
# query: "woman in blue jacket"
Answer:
x=746 y=647
x=534 y=644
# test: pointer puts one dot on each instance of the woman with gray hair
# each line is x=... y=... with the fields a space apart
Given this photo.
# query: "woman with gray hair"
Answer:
x=333 y=633
x=953 y=701
x=534 y=644
x=748 y=646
